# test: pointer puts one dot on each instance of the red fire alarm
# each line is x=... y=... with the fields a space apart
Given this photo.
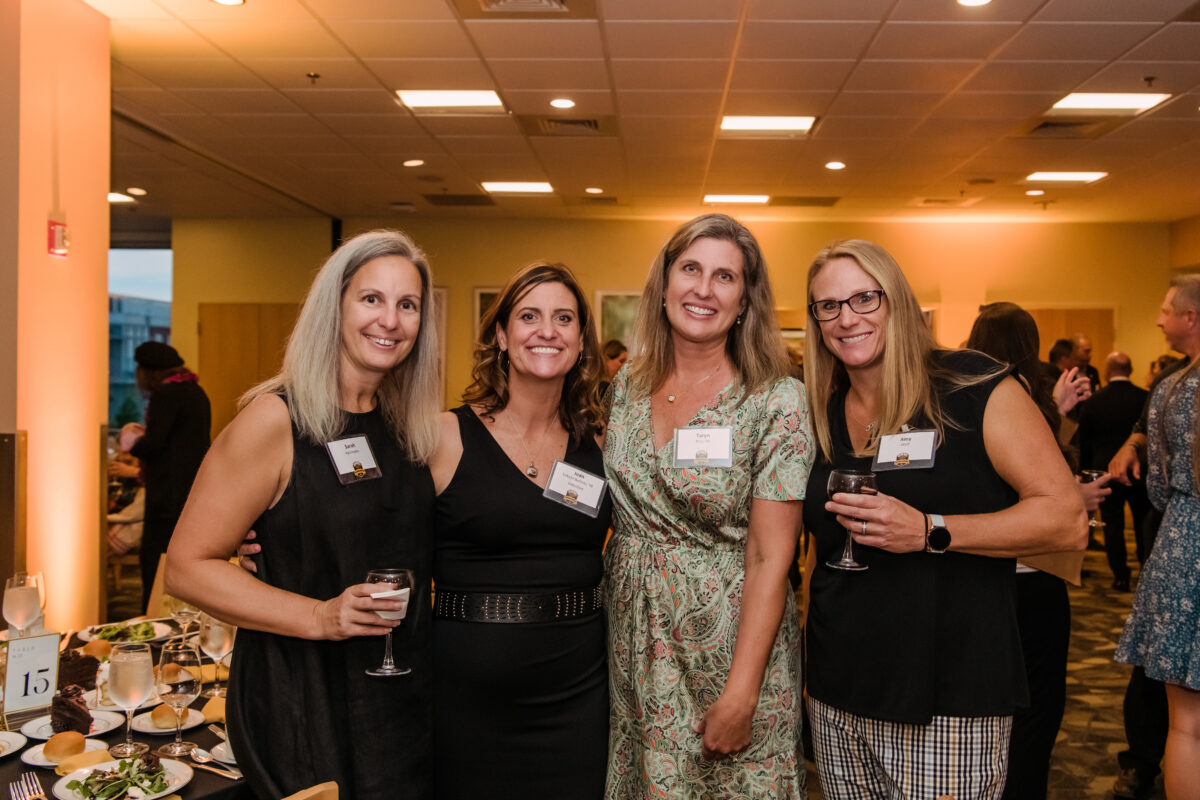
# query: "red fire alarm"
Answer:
x=60 y=243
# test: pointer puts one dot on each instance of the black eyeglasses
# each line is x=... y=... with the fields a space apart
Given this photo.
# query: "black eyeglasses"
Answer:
x=861 y=303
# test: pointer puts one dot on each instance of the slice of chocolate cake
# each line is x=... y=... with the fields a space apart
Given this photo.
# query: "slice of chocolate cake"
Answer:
x=77 y=668
x=69 y=711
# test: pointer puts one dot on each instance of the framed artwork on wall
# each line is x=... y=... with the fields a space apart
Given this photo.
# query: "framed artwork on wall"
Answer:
x=484 y=297
x=616 y=313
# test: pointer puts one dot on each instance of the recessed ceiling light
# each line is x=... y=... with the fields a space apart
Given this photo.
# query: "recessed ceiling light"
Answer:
x=737 y=198
x=229 y=2
x=973 y=2
x=1035 y=192
x=117 y=197
x=834 y=165
x=594 y=190
x=1065 y=177
x=562 y=102
x=415 y=162
x=764 y=125
x=136 y=191
x=1128 y=102
x=435 y=100
x=517 y=187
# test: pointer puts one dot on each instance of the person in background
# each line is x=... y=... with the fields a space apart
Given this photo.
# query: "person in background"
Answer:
x=1103 y=425
x=1009 y=333
x=703 y=640
x=1081 y=357
x=615 y=355
x=1158 y=365
x=1162 y=633
x=914 y=664
x=178 y=423
x=127 y=507
x=326 y=462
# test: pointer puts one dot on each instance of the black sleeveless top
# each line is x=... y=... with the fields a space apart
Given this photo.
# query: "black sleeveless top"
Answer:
x=917 y=635
x=302 y=712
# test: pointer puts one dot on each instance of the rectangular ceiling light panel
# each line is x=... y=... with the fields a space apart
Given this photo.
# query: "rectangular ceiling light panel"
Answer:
x=737 y=198
x=517 y=187
x=1064 y=177
x=437 y=101
x=773 y=127
x=1124 y=104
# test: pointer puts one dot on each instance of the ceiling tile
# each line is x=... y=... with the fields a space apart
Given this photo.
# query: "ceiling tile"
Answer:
x=469 y=125
x=808 y=40
x=587 y=104
x=290 y=38
x=779 y=103
x=292 y=73
x=275 y=125
x=398 y=123
x=509 y=168
x=818 y=10
x=671 y=9
x=157 y=100
x=567 y=148
x=1068 y=41
x=909 y=76
x=1172 y=77
x=129 y=9
x=1007 y=11
x=380 y=39
x=405 y=73
x=124 y=77
x=343 y=101
x=381 y=9
x=669 y=74
x=1179 y=41
x=997 y=105
x=253 y=13
x=759 y=74
x=486 y=145
x=911 y=105
x=1091 y=11
x=199 y=73
x=137 y=39
x=848 y=129
x=705 y=39
x=1031 y=76
x=537 y=39
x=534 y=74
x=688 y=104
x=238 y=101
x=423 y=147
x=940 y=40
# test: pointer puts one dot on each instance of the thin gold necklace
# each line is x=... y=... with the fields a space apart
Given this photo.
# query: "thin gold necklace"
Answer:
x=869 y=427
x=672 y=397
x=531 y=470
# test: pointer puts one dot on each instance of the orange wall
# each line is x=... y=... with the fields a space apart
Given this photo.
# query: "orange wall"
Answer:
x=10 y=77
x=1185 y=244
x=62 y=322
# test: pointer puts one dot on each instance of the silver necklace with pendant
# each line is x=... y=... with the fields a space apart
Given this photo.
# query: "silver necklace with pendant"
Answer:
x=531 y=470
x=671 y=397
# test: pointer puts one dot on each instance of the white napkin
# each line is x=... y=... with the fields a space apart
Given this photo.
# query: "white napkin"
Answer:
x=401 y=594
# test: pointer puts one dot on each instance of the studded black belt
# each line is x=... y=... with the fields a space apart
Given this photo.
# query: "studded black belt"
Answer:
x=499 y=607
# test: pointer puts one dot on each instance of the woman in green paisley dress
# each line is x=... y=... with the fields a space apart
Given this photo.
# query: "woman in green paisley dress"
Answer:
x=704 y=657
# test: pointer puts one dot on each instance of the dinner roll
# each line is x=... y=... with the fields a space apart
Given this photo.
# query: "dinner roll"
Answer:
x=62 y=746
x=97 y=648
x=163 y=716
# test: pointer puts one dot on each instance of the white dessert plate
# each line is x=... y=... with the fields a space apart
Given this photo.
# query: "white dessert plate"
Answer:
x=35 y=758
x=178 y=776
x=102 y=722
x=92 y=696
x=11 y=742
x=143 y=724
x=224 y=753
x=161 y=632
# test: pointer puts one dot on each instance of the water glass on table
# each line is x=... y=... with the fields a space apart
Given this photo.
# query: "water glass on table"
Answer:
x=400 y=579
x=178 y=684
x=216 y=640
x=182 y=612
x=849 y=481
x=1088 y=476
x=24 y=599
x=130 y=683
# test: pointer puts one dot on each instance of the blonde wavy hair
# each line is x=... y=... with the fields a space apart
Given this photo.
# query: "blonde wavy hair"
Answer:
x=579 y=407
x=409 y=395
x=755 y=346
x=911 y=357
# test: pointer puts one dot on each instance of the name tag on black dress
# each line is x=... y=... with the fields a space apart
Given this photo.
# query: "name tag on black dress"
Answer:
x=911 y=449
x=576 y=488
x=353 y=460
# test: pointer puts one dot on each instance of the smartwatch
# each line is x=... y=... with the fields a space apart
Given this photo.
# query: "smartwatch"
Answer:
x=937 y=538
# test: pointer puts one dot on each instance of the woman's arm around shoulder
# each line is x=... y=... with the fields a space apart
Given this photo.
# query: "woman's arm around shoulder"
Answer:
x=245 y=472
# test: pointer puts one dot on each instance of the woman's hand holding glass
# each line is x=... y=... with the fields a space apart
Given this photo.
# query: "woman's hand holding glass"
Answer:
x=879 y=520
x=353 y=613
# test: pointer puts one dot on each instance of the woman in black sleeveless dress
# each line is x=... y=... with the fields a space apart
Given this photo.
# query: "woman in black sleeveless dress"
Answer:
x=361 y=365
x=520 y=678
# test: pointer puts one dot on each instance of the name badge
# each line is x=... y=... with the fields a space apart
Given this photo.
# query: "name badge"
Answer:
x=704 y=447
x=911 y=449
x=353 y=460
x=576 y=488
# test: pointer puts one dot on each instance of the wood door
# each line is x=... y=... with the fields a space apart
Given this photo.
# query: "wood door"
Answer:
x=240 y=345
x=1064 y=323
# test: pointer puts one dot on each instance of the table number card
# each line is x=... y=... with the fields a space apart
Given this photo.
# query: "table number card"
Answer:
x=32 y=673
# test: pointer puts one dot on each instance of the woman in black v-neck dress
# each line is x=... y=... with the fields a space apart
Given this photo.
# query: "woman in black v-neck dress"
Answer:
x=520 y=676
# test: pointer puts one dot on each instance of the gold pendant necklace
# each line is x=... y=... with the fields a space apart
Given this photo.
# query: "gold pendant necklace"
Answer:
x=671 y=397
x=531 y=470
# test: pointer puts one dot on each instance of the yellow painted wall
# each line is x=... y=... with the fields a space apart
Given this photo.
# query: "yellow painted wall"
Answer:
x=62 y=316
x=1185 y=244
x=952 y=266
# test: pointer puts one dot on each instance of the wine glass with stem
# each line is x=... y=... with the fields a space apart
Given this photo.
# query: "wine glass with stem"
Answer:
x=402 y=586
x=130 y=683
x=183 y=612
x=178 y=684
x=24 y=599
x=852 y=482
x=1088 y=476
x=216 y=640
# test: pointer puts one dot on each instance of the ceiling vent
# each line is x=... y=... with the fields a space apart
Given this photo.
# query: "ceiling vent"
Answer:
x=526 y=9
x=945 y=202
x=458 y=200
x=533 y=125
x=801 y=202
x=1074 y=128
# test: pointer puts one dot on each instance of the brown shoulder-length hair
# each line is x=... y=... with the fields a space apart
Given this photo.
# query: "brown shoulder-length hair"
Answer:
x=754 y=346
x=579 y=408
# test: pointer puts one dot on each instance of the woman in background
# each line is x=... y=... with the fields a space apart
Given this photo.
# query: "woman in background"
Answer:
x=703 y=641
x=615 y=355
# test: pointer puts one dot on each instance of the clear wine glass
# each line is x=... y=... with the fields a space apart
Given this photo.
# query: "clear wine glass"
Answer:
x=1088 y=476
x=178 y=684
x=24 y=599
x=852 y=482
x=183 y=612
x=402 y=586
x=130 y=683
x=216 y=640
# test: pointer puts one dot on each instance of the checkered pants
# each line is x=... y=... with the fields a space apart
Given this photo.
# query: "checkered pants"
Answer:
x=859 y=758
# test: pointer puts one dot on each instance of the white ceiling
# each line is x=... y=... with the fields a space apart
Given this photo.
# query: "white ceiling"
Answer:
x=214 y=114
